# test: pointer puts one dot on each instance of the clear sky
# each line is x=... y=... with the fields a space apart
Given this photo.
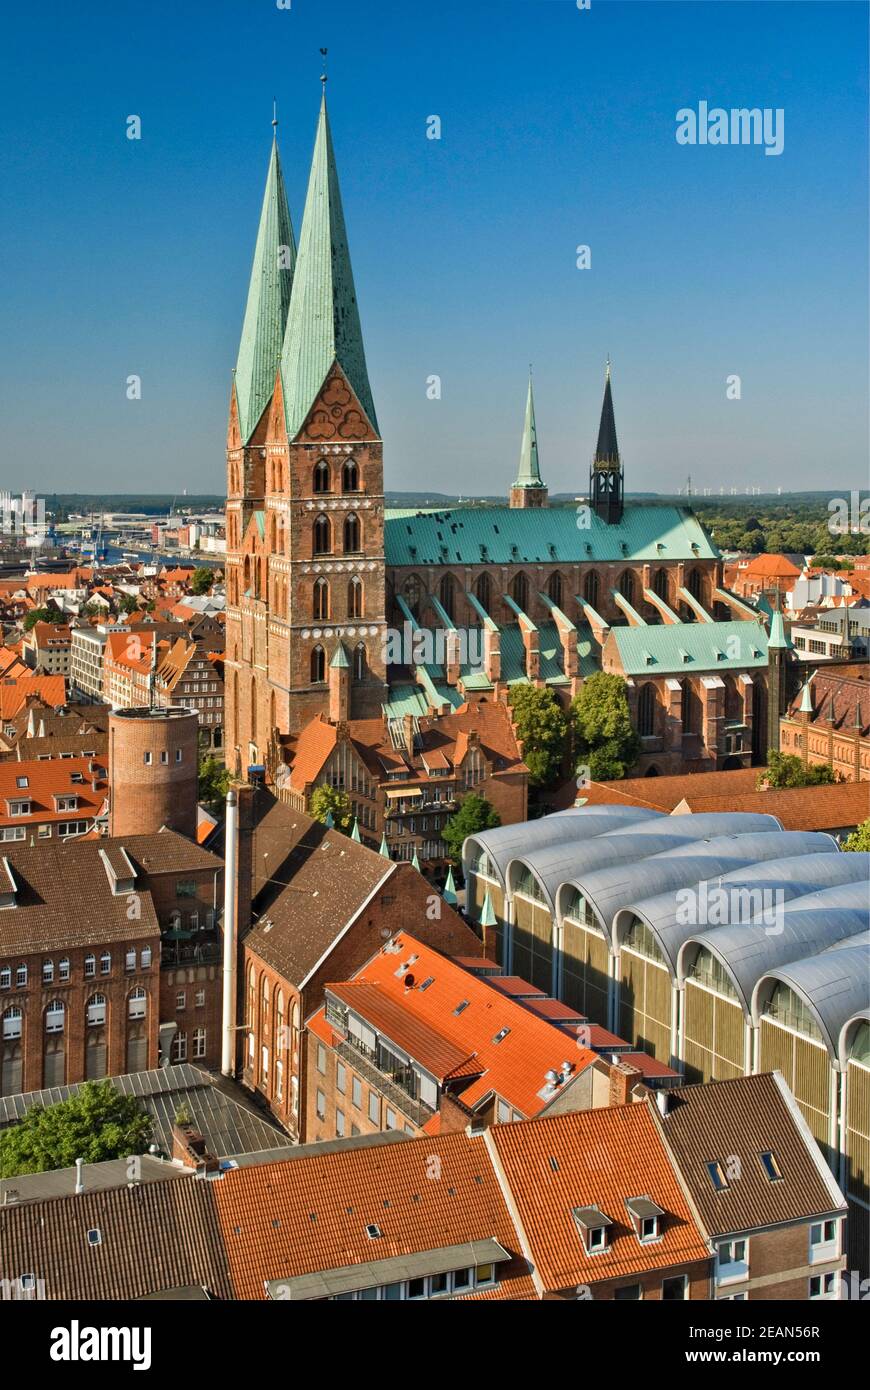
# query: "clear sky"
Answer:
x=125 y=257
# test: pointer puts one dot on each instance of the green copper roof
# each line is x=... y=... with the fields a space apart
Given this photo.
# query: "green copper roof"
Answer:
x=690 y=648
x=323 y=321
x=529 y=473
x=543 y=535
x=268 y=302
x=777 y=632
x=339 y=660
x=415 y=862
x=354 y=834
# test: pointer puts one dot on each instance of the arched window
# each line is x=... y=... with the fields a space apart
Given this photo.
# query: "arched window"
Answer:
x=96 y=1010
x=696 y=584
x=660 y=584
x=359 y=662
x=318 y=665
x=351 y=534
x=321 y=476
x=12 y=1023
x=321 y=598
x=520 y=591
x=253 y=709
x=590 y=589
x=555 y=589
x=350 y=477
x=691 y=709
x=627 y=585
x=54 y=1016
x=322 y=536
x=280 y=1037
x=446 y=594
x=646 y=710
x=355 y=598
x=137 y=1003
x=247 y=574
x=412 y=593
x=483 y=591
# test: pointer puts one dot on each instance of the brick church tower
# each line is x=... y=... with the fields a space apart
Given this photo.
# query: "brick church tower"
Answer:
x=305 y=505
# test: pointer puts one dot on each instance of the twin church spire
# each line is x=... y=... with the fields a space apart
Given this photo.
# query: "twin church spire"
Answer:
x=302 y=314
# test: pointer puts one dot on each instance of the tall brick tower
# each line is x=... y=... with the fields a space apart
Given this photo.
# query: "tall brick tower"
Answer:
x=248 y=457
x=153 y=770
x=307 y=552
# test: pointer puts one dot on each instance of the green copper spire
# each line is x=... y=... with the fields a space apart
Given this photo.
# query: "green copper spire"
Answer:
x=268 y=302
x=415 y=862
x=529 y=473
x=806 y=705
x=323 y=322
x=449 y=894
x=384 y=849
x=777 y=632
x=354 y=834
x=487 y=913
x=339 y=660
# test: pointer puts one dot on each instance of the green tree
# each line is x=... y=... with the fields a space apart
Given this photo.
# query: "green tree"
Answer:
x=95 y=1124
x=542 y=725
x=605 y=739
x=202 y=581
x=787 y=770
x=214 y=782
x=325 y=799
x=474 y=813
x=38 y=615
x=859 y=839
x=128 y=603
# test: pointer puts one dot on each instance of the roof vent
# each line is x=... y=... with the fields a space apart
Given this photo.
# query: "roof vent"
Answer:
x=501 y=1035
x=427 y=983
x=409 y=981
x=373 y=1232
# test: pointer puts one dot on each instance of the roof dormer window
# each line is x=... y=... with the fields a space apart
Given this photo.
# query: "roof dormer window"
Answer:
x=646 y=1218
x=593 y=1226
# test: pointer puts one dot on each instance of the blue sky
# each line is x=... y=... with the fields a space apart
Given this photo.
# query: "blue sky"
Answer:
x=558 y=129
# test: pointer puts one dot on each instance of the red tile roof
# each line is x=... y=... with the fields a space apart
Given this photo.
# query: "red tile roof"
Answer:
x=14 y=693
x=514 y=1067
x=595 y=1158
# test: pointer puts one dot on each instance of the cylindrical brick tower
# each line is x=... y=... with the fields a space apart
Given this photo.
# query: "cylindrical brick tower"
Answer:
x=152 y=771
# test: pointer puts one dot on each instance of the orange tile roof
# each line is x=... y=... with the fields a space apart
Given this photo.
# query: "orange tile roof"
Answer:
x=47 y=778
x=594 y=1158
x=514 y=1068
x=14 y=693
x=314 y=744
x=397 y=1023
x=310 y=1213
x=771 y=567
x=797 y=808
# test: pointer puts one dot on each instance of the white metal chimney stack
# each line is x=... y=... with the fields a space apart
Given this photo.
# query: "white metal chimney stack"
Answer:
x=231 y=868
x=80 y=1184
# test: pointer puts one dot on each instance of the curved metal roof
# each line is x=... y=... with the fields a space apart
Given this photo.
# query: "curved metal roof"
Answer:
x=687 y=865
x=805 y=927
x=813 y=868
x=504 y=842
x=835 y=985
x=558 y=866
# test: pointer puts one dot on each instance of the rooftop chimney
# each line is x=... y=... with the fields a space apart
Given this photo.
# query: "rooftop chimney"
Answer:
x=662 y=1101
x=80 y=1184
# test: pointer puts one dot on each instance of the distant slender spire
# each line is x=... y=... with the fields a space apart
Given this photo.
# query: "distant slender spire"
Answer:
x=323 y=323
x=529 y=472
x=449 y=894
x=384 y=847
x=607 y=450
x=268 y=299
x=354 y=834
x=415 y=861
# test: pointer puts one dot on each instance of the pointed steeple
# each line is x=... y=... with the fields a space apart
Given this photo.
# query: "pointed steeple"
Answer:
x=607 y=449
x=605 y=475
x=268 y=301
x=529 y=472
x=415 y=862
x=449 y=894
x=384 y=847
x=323 y=321
x=354 y=834
x=487 y=912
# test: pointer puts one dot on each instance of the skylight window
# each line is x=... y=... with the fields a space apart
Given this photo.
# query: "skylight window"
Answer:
x=772 y=1170
x=460 y=1007
x=373 y=1232
x=426 y=983
x=501 y=1035
x=717 y=1176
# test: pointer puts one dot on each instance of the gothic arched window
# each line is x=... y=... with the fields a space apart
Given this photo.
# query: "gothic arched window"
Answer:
x=355 y=598
x=554 y=589
x=447 y=594
x=591 y=588
x=321 y=476
x=318 y=665
x=483 y=591
x=351 y=534
x=322 y=536
x=321 y=599
x=350 y=477
x=520 y=591
x=359 y=662
x=627 y=586
x=646 y=710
